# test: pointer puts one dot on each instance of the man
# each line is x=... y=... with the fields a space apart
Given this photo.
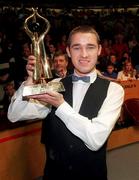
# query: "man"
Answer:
x=52 y=49
x=20 y=65
x=60 y=65
x=81 y=119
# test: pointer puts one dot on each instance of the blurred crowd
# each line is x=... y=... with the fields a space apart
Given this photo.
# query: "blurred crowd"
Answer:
x=119 y=33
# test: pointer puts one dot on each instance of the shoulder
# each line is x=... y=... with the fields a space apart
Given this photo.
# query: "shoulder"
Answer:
x=112 y=86
x=120 y=72
x=103 y=79
x=116 y=87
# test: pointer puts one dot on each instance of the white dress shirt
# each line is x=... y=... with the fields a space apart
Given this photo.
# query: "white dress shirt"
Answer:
x=94 y=132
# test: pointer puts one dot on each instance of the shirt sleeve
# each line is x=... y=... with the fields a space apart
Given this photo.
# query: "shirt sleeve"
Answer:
x=94 y=132
x=20 y=109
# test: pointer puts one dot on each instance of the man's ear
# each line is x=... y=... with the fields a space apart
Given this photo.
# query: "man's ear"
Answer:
x=68 y=52
x=100 y=48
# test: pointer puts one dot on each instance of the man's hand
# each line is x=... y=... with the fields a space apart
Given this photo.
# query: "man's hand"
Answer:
x=30 y=68
x=53 y=98
x=61 y=73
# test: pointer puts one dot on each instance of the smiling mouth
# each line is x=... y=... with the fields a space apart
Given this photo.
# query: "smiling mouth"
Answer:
x=84 y=61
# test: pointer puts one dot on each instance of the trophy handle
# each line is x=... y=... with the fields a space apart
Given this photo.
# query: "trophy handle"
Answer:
x=42 y=68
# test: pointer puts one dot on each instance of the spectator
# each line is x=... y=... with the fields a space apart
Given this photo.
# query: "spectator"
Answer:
x=128 y=72
x=110 y=72
x=120 y=46
x=60 y=65
x=62 y=44
x=20 y=66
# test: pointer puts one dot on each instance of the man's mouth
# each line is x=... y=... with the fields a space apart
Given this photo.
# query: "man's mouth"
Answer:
x=84 y=62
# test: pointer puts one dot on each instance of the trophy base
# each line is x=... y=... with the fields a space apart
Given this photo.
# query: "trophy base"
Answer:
x=43 y=88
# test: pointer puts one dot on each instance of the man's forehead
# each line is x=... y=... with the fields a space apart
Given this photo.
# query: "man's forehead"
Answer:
x=61 y=57
x=83 y=38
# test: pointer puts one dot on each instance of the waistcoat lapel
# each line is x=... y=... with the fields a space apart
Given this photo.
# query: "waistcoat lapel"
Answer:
x=67 y=82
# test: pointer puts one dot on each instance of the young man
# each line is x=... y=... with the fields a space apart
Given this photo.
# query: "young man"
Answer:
x=80 y=120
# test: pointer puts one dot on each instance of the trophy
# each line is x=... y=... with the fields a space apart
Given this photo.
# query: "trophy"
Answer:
x=36 y=28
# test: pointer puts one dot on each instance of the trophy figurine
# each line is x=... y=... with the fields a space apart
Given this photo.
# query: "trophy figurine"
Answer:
x=36 y=28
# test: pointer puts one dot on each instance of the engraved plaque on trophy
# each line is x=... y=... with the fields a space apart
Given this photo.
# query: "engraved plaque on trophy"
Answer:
x=37 y=27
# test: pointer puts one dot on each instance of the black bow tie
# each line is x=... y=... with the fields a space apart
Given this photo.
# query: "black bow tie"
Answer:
x=83 y=78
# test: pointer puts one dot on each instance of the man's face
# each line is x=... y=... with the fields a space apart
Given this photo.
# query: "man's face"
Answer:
x=84 y=51
x=128 y=66
x=60 y=64
x=52 y=48
x=9 y=90
x=26 y=52
x=113 y=59
x=110 y=69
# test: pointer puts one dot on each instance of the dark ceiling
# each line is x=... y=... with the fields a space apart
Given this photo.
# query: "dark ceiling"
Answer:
x=69 y=3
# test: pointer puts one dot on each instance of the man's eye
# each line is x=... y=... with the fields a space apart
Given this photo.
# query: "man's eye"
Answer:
x=91 y=47
x=76 y=48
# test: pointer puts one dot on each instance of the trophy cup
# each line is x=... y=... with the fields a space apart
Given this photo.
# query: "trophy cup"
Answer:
x=36 y=28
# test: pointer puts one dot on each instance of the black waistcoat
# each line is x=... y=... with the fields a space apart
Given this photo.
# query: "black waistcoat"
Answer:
x=69 y=151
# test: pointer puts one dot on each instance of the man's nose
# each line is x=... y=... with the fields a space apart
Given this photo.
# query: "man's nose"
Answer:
x=84 y=52
x=58 y=62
